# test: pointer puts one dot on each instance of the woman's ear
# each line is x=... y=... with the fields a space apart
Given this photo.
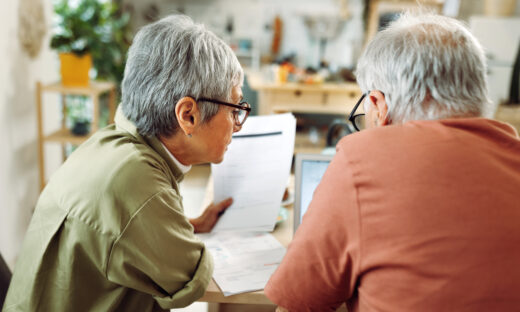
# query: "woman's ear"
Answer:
x=188 y=115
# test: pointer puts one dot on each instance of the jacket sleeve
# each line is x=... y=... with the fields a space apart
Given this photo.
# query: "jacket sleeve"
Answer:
x=157 y=253
x=321 y=266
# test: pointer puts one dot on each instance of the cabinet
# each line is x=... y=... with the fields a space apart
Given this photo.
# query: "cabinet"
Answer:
x=327 y=98
x=318 y=99
x=63 y=135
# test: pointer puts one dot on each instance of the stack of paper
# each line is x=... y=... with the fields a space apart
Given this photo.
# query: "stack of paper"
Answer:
x=243 y=261
x=255 y=172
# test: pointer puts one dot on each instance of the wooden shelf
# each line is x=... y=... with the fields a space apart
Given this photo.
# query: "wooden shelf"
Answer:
x=64 y=135
x=93 y=89
x=316 y=109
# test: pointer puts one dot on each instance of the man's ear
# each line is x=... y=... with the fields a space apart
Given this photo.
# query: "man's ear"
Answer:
x=188 y=115
x=378 y=102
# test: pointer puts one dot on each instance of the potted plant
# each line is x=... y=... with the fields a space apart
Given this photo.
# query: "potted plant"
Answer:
x=78 y=115
x=86 y=33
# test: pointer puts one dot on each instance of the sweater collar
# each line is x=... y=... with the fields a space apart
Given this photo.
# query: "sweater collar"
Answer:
x=123 y=123
x=184 y=168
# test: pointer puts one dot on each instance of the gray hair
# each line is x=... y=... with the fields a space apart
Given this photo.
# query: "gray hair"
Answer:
x=168 y=60
x=428 y=66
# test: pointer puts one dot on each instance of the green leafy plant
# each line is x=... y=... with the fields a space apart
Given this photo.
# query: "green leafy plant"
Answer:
x=97 y=27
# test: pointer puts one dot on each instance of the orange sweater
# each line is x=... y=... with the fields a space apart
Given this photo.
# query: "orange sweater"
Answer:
x=423 y=216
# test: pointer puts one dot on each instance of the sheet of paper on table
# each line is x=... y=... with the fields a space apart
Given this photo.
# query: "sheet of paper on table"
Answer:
x=255 y=172
x=244 y=261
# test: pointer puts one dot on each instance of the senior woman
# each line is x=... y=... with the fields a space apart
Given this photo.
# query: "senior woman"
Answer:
x=419 y=211
x=108 y=232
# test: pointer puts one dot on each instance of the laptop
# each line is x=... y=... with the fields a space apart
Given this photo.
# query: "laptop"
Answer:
x=308 y=170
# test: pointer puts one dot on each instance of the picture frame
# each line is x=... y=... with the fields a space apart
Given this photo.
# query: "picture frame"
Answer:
x=381 y=12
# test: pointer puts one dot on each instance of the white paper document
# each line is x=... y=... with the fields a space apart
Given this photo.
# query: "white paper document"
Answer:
x=244 y=261
x=255 y=172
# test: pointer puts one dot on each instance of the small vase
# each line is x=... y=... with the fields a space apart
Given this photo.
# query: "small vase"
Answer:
x=80 y=128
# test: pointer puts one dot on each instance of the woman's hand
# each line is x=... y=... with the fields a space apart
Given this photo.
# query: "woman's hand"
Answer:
x=209 y=217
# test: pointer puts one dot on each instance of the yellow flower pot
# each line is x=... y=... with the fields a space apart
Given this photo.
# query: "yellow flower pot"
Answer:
x=74 y=69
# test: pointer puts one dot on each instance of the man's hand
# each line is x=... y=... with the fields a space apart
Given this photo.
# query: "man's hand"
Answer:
x=209 y=217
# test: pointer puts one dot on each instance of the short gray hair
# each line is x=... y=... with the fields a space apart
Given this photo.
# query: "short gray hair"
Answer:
x=168 y=60
x=428 y=66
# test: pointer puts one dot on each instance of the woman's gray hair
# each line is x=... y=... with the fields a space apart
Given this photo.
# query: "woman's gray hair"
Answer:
x=168 y=60
x=428 y=66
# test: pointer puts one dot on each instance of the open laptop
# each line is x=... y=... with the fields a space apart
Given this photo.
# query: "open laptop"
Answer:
x=308 y=170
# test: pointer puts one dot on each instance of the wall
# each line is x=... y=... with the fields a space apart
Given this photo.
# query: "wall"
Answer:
x=18 y=158
x=477 y=7
x=252 y=19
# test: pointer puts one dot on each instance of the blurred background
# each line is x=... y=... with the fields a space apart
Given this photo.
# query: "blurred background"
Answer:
x=299 y=56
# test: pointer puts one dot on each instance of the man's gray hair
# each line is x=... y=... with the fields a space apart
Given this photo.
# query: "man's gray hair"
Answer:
x=168 y=60
x=428 y=66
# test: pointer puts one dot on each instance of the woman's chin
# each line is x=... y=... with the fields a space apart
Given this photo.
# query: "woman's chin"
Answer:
x=218 y=158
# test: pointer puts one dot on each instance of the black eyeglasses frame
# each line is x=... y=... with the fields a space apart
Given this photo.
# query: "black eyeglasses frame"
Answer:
x=243 y=105
x=352 y=117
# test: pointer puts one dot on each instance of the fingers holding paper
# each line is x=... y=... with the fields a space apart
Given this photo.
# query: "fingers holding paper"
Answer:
x=210 y=216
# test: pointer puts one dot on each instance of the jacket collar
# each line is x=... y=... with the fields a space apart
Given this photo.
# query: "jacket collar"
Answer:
x=123 y=123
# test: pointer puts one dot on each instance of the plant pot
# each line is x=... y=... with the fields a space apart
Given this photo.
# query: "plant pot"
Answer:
x=80 y=128
x=74 y=69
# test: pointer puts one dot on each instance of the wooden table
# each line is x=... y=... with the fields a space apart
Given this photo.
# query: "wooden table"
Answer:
x=283 y=233
x=250 y=301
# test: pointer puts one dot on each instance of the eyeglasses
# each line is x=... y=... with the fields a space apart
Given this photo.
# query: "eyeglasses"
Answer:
x=358 y=120
x=240 y=113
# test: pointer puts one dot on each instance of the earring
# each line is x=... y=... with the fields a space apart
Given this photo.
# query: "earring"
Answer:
x=189 y=135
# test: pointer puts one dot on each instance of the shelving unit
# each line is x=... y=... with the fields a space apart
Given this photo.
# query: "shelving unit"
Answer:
x=64 y=136
x=246 y=51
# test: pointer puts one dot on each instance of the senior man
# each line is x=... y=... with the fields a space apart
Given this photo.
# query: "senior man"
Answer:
x=109 y=232
x=421 y=211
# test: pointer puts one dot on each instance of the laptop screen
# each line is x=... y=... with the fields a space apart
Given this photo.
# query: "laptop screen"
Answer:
x=309 y=170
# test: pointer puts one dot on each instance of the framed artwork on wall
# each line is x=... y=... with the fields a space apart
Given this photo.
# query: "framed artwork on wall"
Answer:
x=382 y=12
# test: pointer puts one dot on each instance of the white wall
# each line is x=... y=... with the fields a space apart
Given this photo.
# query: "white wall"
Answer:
x=251 y=16
x=18 y=158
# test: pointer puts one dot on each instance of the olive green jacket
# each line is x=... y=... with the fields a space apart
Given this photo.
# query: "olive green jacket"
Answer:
x=109 y=233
